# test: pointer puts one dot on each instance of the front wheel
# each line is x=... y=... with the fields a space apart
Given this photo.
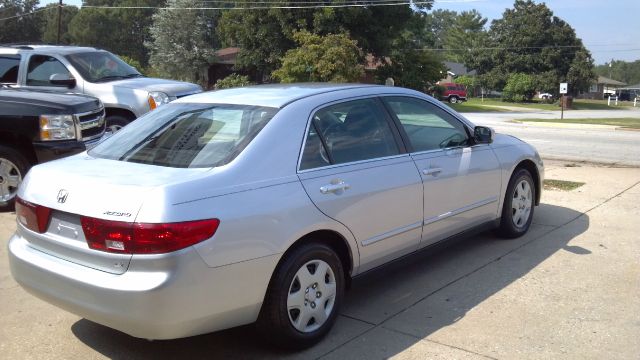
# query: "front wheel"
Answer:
x=453 y=99
x=517 y=210
x=116 y=122
x=13 y=168
x=303 y=298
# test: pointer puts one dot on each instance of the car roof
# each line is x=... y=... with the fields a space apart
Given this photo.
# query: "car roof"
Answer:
x=57 y=49
x=273 y=95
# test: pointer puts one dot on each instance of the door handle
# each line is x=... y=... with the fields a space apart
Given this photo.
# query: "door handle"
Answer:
x=336 y=187
x=432 y=171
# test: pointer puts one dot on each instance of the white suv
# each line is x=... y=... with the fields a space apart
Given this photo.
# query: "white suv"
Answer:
x=125 y=93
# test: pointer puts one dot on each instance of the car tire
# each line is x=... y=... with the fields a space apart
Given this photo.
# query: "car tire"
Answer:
x=301 y=305
x=519 y=205
x=453 y=99
x=13 y=168
x=116 y=122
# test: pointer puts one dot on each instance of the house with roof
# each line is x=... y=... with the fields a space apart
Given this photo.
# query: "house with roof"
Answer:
x=601 y=88
x=454 y=70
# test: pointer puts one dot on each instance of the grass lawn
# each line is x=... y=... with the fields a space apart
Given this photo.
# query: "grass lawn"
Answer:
x=561 y=185
x=631 y=123
x=491 y=105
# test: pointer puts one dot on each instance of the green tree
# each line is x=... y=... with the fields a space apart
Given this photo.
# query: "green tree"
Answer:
x=265 y=35
x=519 y=87
x=529 y=39
x=468 y=81
x=21 y=23
x=436 y=26
x=411 y=68
x=182 y=43
x=466 y=32
x=329 y=58
x=49 y=21
x=121 y=31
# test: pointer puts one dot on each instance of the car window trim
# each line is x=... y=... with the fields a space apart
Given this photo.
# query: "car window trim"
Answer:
x=404 y=135
x=28 y=63
x=402 y=150
x=323 y=142
x=354 y=163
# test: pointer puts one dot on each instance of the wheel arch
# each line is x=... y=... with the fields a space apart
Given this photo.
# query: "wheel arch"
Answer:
x=331 y=238
x=20 y=143
x=530 y=166
x=114 y=111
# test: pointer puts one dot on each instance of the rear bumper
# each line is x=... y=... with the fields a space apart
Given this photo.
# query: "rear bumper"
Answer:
x=159 y=297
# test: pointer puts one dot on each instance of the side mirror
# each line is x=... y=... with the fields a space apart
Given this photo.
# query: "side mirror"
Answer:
x=483 y=134
x=62 y=80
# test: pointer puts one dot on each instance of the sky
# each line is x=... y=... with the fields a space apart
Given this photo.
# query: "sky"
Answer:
x=609 y=29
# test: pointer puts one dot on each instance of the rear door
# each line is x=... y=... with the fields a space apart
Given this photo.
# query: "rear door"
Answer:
x=355 y=170
x=461 y=179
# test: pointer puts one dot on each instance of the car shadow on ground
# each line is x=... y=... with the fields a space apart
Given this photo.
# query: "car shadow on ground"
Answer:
x=383 y=297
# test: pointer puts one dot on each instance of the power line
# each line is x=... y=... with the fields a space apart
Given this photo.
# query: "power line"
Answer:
x=526 y=48
x=306 y=5
x=292 y=7
x=30 y=13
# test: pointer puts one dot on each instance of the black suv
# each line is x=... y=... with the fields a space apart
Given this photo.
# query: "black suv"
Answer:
x=40 y=126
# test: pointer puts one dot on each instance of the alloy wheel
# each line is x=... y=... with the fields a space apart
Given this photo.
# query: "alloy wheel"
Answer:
x=10 y=178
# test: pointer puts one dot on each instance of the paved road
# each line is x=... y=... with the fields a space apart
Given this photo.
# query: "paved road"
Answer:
x=602 y=144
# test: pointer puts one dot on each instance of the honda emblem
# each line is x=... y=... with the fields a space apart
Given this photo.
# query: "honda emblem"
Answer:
x=62 y=196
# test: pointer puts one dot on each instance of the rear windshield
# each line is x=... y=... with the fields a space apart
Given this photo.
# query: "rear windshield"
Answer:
x=187 y=135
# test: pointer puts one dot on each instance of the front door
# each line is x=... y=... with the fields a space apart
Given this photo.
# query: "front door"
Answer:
x=40 y=68
x=462 y=180
x=355 y=170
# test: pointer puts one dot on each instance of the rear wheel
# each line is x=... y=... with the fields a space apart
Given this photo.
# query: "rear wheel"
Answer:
x=517 y=210
x=13 y=168
x=453 y=99
x=304 y=297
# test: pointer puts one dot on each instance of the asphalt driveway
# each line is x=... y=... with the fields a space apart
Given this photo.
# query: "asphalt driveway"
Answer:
x=568 y=289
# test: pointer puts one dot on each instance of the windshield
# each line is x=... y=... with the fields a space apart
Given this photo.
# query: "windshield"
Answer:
x=187 y=135
x=100 y=66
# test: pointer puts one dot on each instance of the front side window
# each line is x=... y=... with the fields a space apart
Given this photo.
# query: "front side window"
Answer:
x=101 y=66
x=40 y=69
x=187 y=135
x=427 y=126
x=347 y=132
x=9 y=65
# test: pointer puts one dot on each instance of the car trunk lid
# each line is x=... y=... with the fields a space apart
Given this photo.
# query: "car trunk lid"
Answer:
x=98 y=188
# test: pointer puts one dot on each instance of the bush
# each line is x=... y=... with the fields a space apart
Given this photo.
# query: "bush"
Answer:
x=519 y=87
x=132 y=62
x=231 y=81
x=437 y=91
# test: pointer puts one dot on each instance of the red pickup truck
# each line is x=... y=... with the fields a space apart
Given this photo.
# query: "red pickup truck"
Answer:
x=454 y=93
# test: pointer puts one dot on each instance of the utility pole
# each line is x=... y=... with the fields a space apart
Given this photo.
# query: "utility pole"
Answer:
x=59 y=19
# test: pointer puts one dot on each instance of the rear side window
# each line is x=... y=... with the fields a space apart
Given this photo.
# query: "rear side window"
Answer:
x=9 y=65
x=347 y=132
x=41 y=68
x=427 y=126
x=187 y=135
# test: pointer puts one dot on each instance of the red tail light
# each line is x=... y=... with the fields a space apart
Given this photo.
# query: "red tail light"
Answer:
x=33 y=217
x=141 y=238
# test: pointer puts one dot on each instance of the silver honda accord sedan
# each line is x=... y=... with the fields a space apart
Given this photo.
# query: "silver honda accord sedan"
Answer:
x=259 y=204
